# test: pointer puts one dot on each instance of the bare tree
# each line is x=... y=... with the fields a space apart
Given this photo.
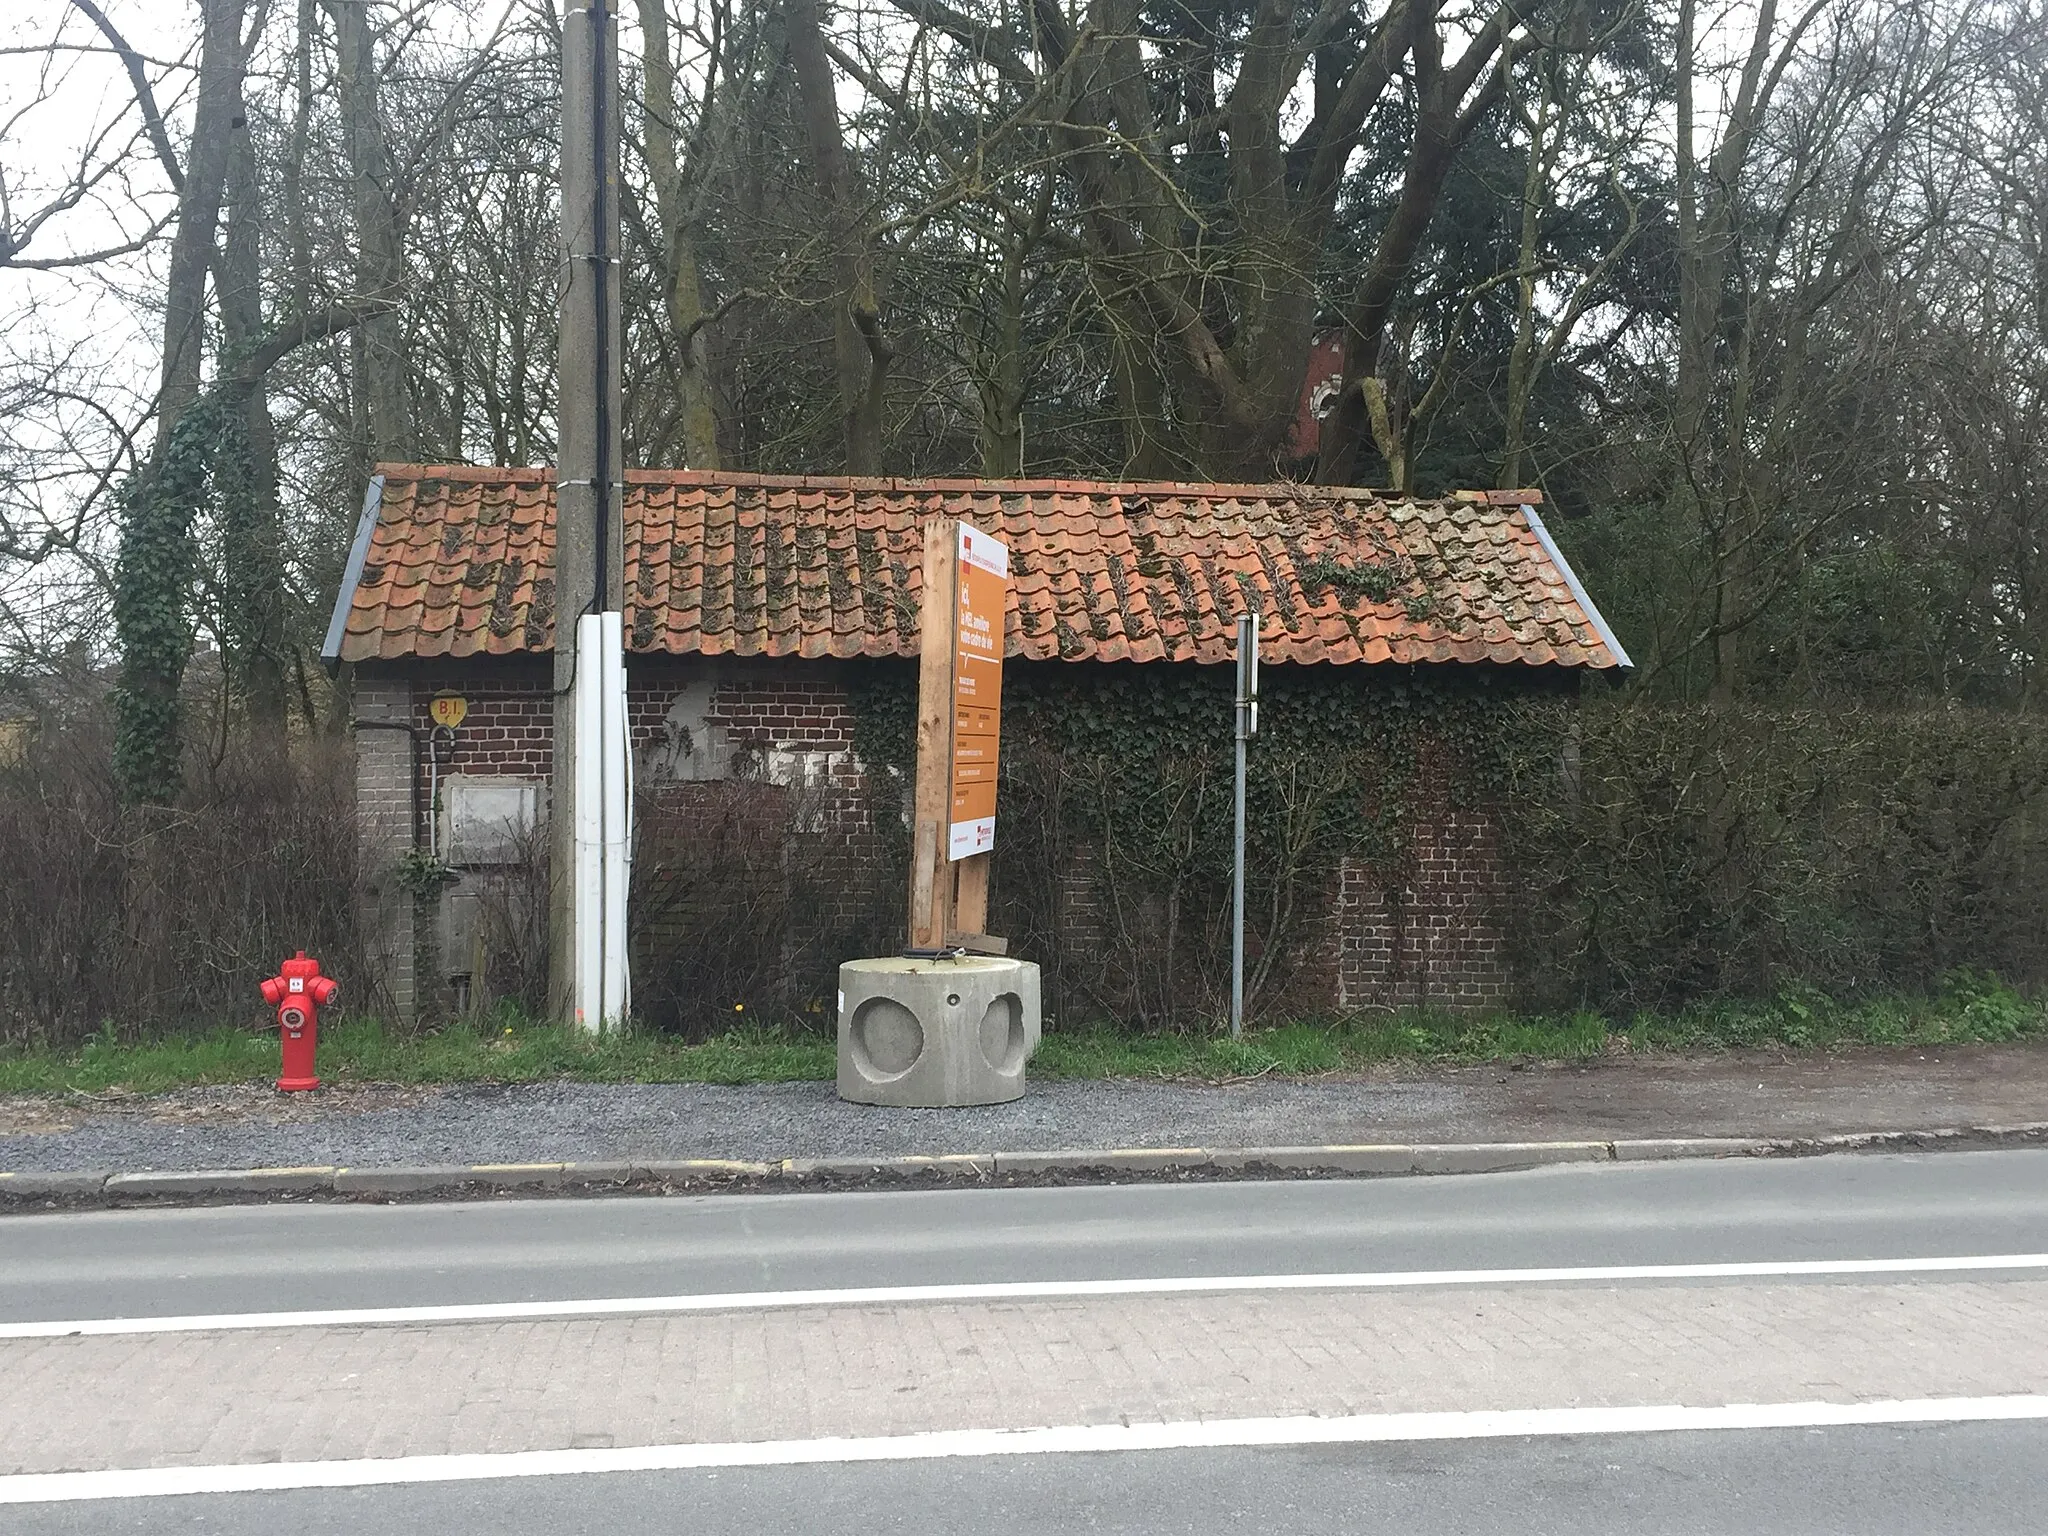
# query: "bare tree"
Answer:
x=1786 y=232
x=861 y=352
x=382 y=401
x=96 y=173
x=670 y=152
x=1205 y=212
x=1564 y=97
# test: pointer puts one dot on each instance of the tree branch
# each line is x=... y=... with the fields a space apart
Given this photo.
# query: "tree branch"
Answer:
x=287 y=339
x=145 y=97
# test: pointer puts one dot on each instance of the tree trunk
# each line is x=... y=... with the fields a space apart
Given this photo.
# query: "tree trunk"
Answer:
x=1388 y=420
x=1372 y=306
x=154 y=573
x=1443 y=121
x=1149 y=449
x=1706 y=239
x=1001 y=381
x=1522 y=355
x=860 y=352
x=690 y=375
x=382 y=395
x=193 y=250
x=298 y=232
x=246 y=482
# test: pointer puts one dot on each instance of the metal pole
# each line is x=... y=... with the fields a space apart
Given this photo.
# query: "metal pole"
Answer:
x=1247 y=723
x=1237 y=909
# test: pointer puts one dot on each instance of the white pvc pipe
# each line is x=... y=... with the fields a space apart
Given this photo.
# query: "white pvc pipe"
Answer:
x=588 y=799
x=626 y=857
x=618 y=818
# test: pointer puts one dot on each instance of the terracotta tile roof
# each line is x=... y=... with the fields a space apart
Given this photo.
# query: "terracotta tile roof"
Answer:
x=459 y=562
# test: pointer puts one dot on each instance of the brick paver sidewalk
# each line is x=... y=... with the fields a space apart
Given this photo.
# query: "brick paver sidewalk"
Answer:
x=86 y=1403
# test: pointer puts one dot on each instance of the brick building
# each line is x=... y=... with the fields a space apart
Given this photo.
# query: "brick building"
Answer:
x=756 y=605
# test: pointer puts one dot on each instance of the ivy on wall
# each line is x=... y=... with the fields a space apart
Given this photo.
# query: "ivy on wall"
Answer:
x=1114 y=855
x=883 y=698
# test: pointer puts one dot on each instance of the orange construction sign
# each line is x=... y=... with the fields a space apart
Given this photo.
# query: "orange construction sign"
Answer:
x=984 y=567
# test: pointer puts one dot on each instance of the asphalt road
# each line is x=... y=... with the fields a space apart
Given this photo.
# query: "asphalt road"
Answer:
x=140 y=1263
x=1986 y=1477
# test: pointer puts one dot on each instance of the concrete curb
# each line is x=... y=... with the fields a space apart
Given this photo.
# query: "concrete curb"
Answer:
x=39 y=1190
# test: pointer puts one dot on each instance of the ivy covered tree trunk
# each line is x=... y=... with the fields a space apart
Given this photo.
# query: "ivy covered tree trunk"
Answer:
x=203 y=180
x=152 y=607
x=158 y=560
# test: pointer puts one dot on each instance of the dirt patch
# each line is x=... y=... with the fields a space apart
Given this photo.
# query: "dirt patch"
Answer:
x=1743 y=1093
x=223 y=1104
x=21 y=1115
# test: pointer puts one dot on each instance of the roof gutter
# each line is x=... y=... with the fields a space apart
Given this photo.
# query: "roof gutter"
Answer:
x=1571 y=577
x=352 y=575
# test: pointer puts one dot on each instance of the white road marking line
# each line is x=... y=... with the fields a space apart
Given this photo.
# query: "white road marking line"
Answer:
x=1008 y=1290
x=1362 y=1429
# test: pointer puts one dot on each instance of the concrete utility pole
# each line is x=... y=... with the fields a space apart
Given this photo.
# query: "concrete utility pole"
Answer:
x=589 y=519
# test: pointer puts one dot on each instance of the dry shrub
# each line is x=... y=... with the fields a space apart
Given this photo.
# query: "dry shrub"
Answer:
x=737 y=912
x=1129 y=917
x=513 y=901
x=1694 y=853
x=147 y=918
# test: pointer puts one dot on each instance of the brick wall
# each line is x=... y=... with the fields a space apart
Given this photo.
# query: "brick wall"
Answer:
x=1426 y=931
x=808 y=715
x=781 y=737
x=790 y=727
x=1423 y=933
x=510 y=727
x=385 y=802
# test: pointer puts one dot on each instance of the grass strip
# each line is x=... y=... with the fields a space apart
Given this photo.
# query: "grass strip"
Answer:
x=510 y=1049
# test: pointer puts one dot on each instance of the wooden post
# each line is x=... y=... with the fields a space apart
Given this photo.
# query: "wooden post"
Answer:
x=958 y=709
x=931 y=874
x=970 y=902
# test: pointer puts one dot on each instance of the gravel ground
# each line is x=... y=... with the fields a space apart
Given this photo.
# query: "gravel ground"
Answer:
x=1734 y=1094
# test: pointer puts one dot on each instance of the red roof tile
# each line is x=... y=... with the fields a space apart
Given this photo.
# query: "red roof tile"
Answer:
x=459 y=562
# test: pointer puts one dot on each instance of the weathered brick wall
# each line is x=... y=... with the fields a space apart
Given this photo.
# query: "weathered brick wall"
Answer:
x=384 y=818
x=1427 y=930
x=1423 y=933
x=780 y=735
x=787 y=729
x=800 y=714
x=510 y=727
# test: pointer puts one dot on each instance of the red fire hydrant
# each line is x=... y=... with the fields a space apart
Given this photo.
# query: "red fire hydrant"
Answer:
x=299 y=992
